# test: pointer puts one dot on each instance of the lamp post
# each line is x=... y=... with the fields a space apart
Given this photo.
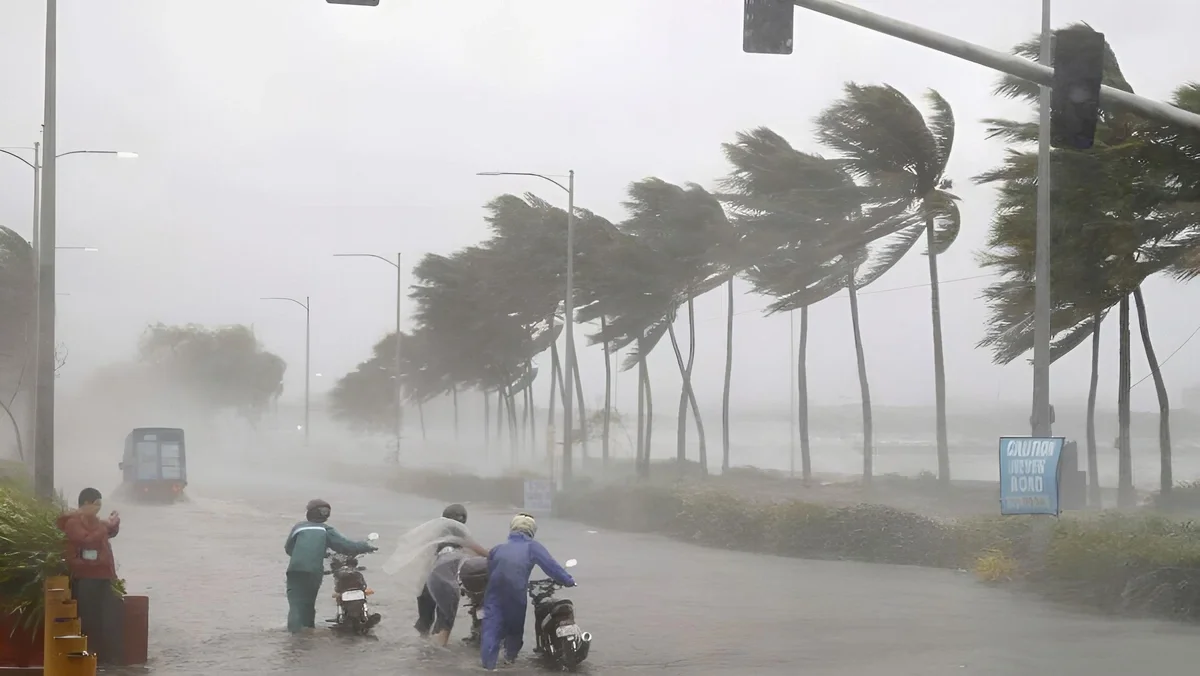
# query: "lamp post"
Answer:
x=41 y=332
x=399 y=295
x=307 y=305
x=568 y=310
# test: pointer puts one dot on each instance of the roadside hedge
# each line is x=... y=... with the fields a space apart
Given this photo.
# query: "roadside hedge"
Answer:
x=1131 y=563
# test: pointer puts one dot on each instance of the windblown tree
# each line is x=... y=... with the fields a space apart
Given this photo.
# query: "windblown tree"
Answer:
x=1117 y=220
x=16 y=319
x=219 y=368
x=809 y=230
x=884 y=141
x=687 y=227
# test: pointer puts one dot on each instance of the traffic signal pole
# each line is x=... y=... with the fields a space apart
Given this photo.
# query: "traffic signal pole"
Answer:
x=990 y=58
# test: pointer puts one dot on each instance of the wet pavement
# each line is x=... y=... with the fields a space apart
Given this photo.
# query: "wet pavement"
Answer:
x=213 y=568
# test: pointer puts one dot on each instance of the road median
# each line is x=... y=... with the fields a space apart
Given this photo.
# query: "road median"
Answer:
x=1140 y=564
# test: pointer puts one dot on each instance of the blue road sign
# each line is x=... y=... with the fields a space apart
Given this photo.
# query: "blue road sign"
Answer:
x=1029 y=474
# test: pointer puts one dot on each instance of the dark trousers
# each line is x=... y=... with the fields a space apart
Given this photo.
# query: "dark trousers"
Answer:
x=302 y=590
x=426 y=610
x=101 y=618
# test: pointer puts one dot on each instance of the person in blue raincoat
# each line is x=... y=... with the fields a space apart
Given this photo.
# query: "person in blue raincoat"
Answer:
x=305 y=546
x=504 y=603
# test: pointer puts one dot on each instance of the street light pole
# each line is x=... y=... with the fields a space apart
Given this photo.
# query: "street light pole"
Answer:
x=43 y=450
x=1041 y=312
x=307 y=305
x=568 y=311
x=399 y=422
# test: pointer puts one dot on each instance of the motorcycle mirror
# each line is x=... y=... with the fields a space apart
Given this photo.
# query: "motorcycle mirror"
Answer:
x=372 y=537
x=571 y=563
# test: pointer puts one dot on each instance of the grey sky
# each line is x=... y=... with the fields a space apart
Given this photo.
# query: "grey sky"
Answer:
x=274 y=133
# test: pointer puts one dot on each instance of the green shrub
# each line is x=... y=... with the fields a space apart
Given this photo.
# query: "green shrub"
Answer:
x=31 y=550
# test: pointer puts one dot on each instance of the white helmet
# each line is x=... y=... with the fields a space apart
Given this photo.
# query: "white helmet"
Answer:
x=523 y=523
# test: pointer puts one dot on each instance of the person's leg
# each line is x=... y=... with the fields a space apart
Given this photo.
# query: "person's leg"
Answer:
x=425 y=612
x=90 y=607
x=295 y=597
x=445 y=597
x=311 y=591
x=514 y=632
x=112 y=650
x=490 y=636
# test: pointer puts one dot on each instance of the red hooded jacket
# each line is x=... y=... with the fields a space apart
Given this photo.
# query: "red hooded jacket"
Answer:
x=89 y=555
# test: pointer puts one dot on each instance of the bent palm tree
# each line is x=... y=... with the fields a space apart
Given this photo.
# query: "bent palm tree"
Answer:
x=883 y=140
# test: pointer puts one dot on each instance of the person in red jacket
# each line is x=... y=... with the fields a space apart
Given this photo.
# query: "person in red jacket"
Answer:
x=93 y=572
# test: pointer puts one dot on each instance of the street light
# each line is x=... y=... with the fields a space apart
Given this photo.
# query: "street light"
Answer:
x=568 y=308
x=43 y=454
x=399 y=296
x=307 y=304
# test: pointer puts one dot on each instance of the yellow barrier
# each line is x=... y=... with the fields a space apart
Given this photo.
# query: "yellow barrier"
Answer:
x=65 y=652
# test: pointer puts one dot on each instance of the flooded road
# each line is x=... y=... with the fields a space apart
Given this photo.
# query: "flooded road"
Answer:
x=214 y=571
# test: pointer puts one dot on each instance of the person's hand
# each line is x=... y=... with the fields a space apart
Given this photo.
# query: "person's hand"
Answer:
x=114 y=516
x=372 y=548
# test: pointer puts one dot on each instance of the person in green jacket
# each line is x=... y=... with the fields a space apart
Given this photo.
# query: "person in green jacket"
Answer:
x=306 y=545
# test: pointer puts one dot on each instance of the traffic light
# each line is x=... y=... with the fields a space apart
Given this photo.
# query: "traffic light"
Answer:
x=767 y=27
x=364 y=3
x=1075 y=94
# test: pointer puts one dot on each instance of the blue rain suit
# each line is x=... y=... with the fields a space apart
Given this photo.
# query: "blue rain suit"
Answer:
x=504 y=602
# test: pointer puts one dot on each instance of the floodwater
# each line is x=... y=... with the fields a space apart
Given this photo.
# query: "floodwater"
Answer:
x=213 y=569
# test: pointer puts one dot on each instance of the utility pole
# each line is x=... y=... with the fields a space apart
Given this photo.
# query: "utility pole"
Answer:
x=399 y=361
x=1041 y=274
x=43 y=451
x=569 y=321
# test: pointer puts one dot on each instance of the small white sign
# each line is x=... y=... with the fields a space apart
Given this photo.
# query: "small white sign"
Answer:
x=539 y=495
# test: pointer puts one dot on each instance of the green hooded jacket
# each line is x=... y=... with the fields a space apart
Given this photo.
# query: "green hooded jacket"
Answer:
x=307 y=542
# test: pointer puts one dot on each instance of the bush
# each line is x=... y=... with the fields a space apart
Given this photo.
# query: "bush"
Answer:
x=1117 y=563
x=1184 y=497
x=31 y=550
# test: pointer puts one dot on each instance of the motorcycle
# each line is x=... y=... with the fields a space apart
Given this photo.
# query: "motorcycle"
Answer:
x=559 y=638
x=472 y=582
x=350 y=592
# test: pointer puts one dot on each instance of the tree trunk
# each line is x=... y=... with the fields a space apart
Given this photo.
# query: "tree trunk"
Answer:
x=487 y=421
x=16 y=431
x=1093 y=464
x=641 y=418
x=649 y=421
x=500 y=415
x=1126 y=496
x=681 y=420
x=691 y=391
x=530 y=409
x=868 y=425
x=728 y=378
x=939 y=364
x=454 y=393
x=514 y=429
x=581 y=409
x=802 y=398
x=554 y=387
x=421 y=415
x=1165 y=479
x=608 y=388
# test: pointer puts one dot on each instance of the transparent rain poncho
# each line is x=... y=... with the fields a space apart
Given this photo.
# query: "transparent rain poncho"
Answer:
x=417 y=552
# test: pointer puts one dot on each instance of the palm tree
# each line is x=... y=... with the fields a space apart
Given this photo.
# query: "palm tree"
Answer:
x=688 y=225
x=883 y=140
x=808 y=227
x=1109 y=208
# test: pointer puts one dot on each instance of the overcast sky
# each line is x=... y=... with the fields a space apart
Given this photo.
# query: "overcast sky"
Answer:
x=275 y=133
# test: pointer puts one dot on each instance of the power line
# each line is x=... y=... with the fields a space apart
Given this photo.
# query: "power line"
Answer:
x=1164 y=362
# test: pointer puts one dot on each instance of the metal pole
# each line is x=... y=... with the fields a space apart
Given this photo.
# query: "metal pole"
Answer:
x=1041 y=312
x=792 y=410
x=31 y=355
x=43 y=465
x=307 y=364
x=569 y=319
x=399 y=363
x=1005 y=63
